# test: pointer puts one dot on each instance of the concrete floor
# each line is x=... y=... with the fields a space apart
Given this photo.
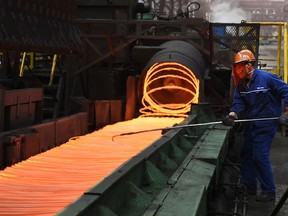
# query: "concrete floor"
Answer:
x=279 y=160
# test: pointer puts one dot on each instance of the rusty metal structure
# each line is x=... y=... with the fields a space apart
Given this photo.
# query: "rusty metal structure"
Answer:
x=68 y=68
x=38 y=28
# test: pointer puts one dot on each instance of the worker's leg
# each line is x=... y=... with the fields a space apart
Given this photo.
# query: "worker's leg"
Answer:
x=262 y=145
x=248 y=169
x=263 y=165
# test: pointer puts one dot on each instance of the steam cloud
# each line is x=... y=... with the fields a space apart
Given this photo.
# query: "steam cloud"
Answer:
x=227 y=12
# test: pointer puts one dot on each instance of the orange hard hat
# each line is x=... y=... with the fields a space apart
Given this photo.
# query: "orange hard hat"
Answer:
x=238 y=69
x=244 y=56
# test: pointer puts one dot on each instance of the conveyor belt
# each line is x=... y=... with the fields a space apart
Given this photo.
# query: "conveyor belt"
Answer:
x=46 y=183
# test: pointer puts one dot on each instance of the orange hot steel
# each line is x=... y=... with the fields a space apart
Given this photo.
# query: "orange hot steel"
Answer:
x=46 y=183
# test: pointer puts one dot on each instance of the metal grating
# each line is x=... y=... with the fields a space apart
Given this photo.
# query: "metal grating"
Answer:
x=230 y=38
x=42 y=26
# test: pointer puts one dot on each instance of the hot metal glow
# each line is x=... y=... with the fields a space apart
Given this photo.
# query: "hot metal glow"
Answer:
x=169 y=89
x=46 y=183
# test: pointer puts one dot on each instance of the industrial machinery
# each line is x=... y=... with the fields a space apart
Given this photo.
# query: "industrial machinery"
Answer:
x=182 y=173
x=92 y=64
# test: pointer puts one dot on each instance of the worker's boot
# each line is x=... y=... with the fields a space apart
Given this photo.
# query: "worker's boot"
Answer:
x=265 y=197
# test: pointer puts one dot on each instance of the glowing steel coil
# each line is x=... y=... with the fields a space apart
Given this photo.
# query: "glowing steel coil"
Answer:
x=169 y=89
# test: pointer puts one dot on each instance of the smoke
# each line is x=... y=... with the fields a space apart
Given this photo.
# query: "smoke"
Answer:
x=227 y=11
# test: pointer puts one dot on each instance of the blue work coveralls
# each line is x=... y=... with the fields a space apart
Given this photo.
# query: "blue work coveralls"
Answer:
x=262 y=99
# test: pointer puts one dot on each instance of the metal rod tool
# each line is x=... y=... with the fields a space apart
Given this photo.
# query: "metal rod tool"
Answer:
x=192 y=125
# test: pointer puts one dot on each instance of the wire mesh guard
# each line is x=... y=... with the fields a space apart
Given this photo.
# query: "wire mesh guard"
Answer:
x=228 y=39
x=42 y=26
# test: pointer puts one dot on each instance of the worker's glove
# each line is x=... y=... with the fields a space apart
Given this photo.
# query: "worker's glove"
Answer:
x=228 y=120
x=283 y=119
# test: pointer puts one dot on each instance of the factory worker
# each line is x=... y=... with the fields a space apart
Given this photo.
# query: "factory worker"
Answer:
x=258 y=94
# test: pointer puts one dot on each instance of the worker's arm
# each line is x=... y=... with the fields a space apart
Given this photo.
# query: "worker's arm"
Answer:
x=238 y=105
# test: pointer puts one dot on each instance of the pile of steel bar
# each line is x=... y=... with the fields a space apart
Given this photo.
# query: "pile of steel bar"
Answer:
x=175 y=175
x=46 y=183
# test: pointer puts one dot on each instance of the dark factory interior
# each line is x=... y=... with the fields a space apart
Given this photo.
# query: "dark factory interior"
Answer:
x=114 y=107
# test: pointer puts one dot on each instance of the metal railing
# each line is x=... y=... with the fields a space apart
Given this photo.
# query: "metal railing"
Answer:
x=276 y=64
